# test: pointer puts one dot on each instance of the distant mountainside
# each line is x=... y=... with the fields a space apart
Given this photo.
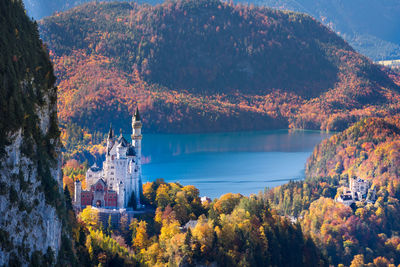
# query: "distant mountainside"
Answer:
x=196 y=66
x=33 y=221
x=371 y=26
x=39 y=9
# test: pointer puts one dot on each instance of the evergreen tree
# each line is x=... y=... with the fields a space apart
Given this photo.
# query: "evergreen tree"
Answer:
x=68 y=200
x=109 y=225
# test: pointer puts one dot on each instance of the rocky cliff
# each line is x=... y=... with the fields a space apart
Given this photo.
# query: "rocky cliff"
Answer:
x=32 y=203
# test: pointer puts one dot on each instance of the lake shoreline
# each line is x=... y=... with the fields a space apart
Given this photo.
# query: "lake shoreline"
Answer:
x=238 y=162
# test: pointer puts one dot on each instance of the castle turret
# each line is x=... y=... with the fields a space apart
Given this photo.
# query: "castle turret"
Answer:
x=137 y=143
x=78 y=192
x=137 y=134
x=110 y=139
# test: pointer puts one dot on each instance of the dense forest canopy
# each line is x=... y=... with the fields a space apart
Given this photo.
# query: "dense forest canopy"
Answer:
x=366 y=231
x=26 y=73
x=230 y=231
x=368 y=149
x=359 y=22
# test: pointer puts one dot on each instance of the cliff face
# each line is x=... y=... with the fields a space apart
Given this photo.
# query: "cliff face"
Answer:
x=31 y=199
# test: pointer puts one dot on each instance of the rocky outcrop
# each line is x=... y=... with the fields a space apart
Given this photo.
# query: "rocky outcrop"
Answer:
x=32 y=206
x=28 y=223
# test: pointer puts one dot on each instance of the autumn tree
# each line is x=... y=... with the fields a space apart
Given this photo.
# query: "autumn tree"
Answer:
x=358 y=261
x=141 y=240
x=90 y=216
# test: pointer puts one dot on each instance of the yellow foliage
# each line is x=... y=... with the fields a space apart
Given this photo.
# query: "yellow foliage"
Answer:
x=148 y=191
x=203 y=232
x=380 y=212
x=152 y=255
x=168 y=230
x=90 y=216
x=162 y=197
x=141 y=240
x=358 y=261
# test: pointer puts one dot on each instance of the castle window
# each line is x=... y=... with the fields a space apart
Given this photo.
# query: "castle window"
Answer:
x=112 y=167
x=90 y=175
x=112 y=173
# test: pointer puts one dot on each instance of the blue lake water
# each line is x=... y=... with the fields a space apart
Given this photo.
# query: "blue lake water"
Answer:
x=241 y=162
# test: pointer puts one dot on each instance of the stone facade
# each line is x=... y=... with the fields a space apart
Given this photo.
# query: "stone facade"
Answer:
x=358 y=190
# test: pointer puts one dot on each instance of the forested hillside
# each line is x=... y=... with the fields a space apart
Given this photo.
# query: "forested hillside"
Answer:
x=367 y=232
x=211 y=63
x=370 y=26
x=39 y=9
x=368 y=149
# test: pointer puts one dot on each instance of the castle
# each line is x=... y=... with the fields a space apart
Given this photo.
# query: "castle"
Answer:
x=118 y=185
x=358 y=190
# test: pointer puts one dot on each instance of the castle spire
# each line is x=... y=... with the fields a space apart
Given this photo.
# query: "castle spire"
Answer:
x=110 y=133
x=136 y=117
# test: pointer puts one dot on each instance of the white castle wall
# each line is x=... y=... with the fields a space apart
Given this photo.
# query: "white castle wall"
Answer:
x=121 y=172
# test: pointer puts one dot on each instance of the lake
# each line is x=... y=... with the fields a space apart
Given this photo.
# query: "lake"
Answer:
x=239 y=162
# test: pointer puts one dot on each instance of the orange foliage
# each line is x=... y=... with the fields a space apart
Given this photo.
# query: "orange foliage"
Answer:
x=126 y=61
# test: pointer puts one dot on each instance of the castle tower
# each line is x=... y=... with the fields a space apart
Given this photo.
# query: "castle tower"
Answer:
x=137 y=134
x=78 y=192
x=137 y=143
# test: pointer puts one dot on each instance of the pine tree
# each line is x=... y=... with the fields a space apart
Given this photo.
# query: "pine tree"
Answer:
x=68 y=200
x=109 y=225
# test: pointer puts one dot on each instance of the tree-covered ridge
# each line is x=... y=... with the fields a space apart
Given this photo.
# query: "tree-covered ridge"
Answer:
x=25 y=71
x=183 y=58
x=368 y=149
x=359 y=22
x=368 y=231
x=369 y=26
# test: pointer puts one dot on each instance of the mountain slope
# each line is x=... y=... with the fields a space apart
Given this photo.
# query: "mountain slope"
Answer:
x=32 y=208
x=39 y=9
x=211 y=63
x=368 y=149
x=371 y=26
